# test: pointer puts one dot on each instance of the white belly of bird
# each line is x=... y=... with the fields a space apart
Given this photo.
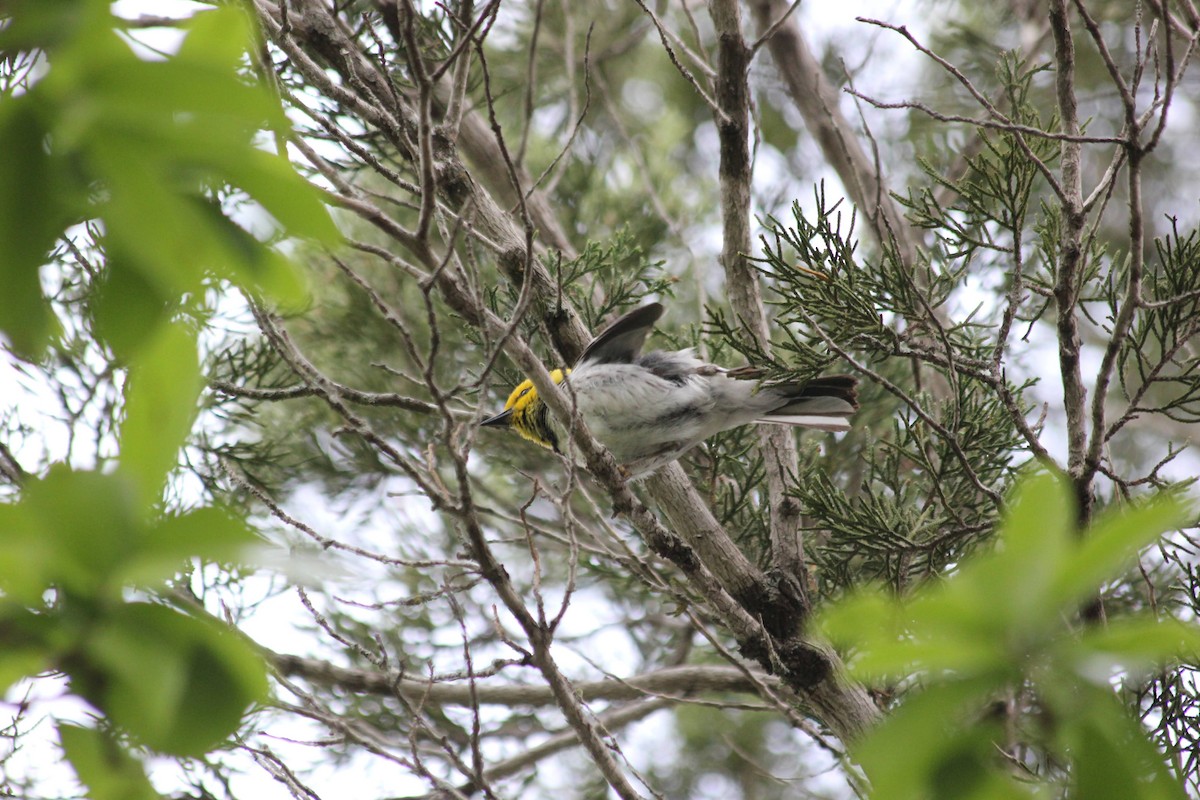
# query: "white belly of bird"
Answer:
x=638 y=416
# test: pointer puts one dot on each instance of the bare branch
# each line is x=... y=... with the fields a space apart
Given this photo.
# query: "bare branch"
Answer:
x=383 y=399
x=671 y=683
x=684 y=71
x=1071 y=258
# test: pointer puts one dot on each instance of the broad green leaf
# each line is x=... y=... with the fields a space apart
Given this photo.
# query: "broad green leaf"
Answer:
x=128 y=308
x=866 y=618
x=191 y=238
x=1112 y=755
x=155 y=136
x=208 y=533
x=1112 y=542
x=178 y=95
x=251 y=264
x=273 y=182
x=194 y=112
x=92 y=46
x=1002 y=594
x=34 y=210
x=934 y=746
x=103 y=766
x=1100 y=767
x=25 y=652
x=958 y=631
x=179 y=684
x=160 y=406
x=27 y=554
x=1035 y=536
x=220 y=36
x=73 y=529
x=49 y=23
x=935 y=631
x=21 y=662
x=1134 y=644
x=202 y=119
x=157 y=230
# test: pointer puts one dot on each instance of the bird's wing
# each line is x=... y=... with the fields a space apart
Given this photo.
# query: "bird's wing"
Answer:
x=621 y=342
x=677 y=366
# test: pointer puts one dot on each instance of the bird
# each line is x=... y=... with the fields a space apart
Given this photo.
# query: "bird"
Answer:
x=650 y=408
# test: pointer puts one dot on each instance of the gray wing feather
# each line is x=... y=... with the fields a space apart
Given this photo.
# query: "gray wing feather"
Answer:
x=621 y=342
x=676 y=367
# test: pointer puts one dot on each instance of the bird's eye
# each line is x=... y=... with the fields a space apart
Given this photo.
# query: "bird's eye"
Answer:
x=524 y=392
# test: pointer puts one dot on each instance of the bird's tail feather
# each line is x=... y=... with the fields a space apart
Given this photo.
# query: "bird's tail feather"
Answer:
x=821 y=423
x=823 y=403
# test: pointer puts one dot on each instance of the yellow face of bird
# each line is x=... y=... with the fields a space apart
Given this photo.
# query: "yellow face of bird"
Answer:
x=524 y=404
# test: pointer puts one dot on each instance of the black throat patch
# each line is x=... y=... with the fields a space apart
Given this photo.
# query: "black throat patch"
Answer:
x=541 y=423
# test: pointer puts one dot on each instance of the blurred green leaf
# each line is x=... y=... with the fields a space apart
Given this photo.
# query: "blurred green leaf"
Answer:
x=892 y=637
x=172 y=101
x=179 y=684
x=866 y=619
x=219 y=36
x=144 y=147
x=247 y=263
x=928 y=748
x=1134 y=644
x=152 y=138
x=50 y=23
x=85 y=532
x=70 y=529
x=33 y=212
x=19 y=661
x=103 y=766
x=208 y=533
x=1112 y=756
x=160 y=406
x=1112 y=542
x=176 y=250
x=998 y=622
x=1001 y=595
x=1101 y=769
x=27 y=554
x=1036 y=534
x=273 y=182
x=129 y=307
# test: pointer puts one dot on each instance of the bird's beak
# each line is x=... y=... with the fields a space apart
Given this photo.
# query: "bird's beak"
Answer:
x=501 y=420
